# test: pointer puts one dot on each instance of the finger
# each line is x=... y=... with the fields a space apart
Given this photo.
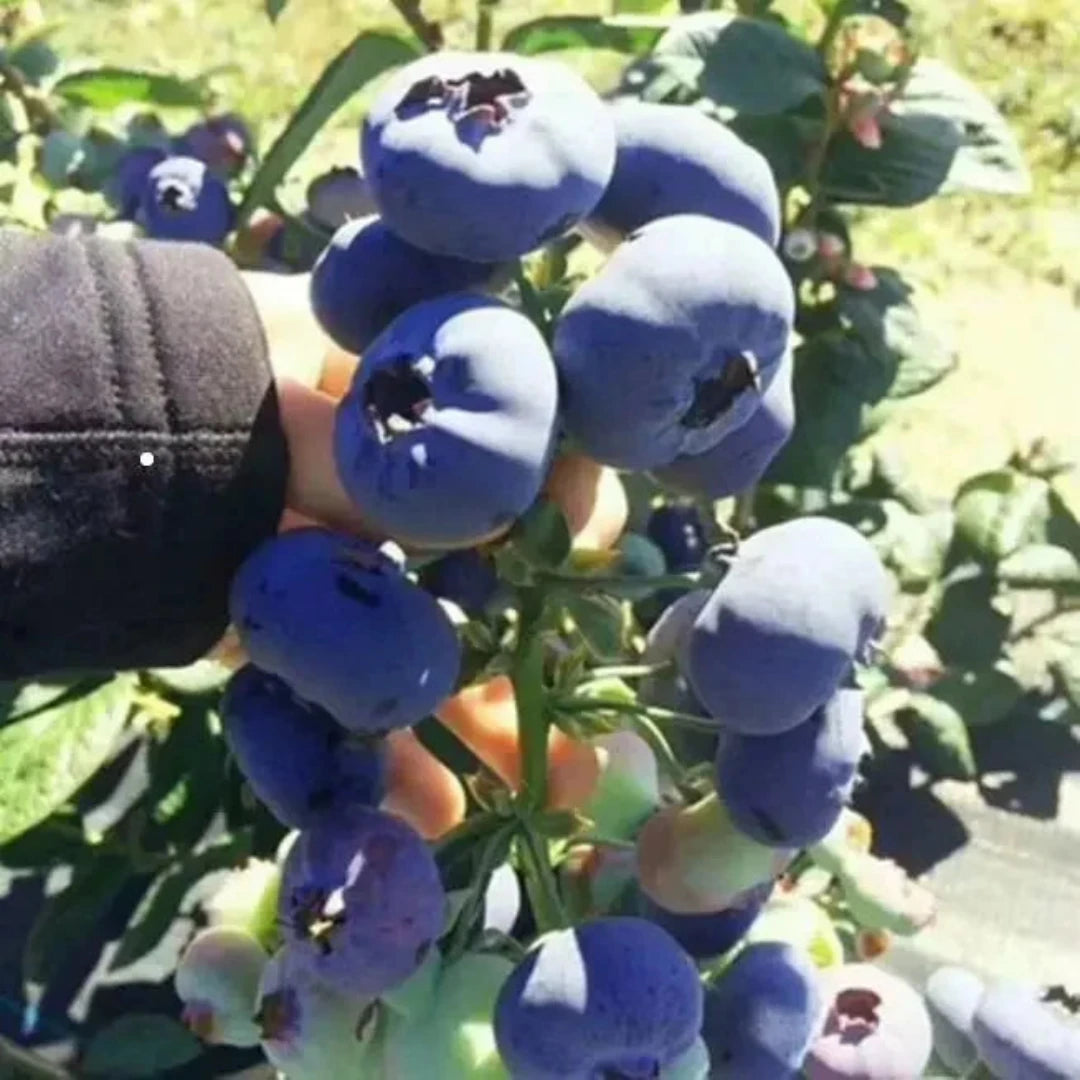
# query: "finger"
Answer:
x=338 y=372
x=592 y=498
x=314 y=489
x=420 y=789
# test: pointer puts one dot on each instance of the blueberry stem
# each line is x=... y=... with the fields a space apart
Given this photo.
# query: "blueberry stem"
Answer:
x=495 y=851
x=626 y=671
x=649 y=712
x=527 y=675
x=540 y=881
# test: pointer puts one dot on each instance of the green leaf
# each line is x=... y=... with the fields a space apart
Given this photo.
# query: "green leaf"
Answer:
x=23 y=698
x=368 y=55
x=828 y=413
x=967 y=630
x=601 y=621
x=555 y=32
x=989 y=157
x=939 y=737
x=72 y=916
x=109 y=87
x=889 y=326
x=139 y=1045
x=911 y=165
x=46 y=758
x=542 y=536
x=1001 y=511
x=161 y=905
x=784 y=140
x=981 y=697
x=1039 y=566
x=274 y=8
x=750 y=65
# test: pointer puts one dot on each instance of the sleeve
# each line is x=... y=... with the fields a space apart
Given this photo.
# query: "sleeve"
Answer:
x=141 y=451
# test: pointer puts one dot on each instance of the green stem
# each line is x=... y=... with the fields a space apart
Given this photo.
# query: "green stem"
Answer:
x=495 y=852
x=527 y=675
x=591 y=583
x=473 y=826
x=540 y=882
x=651 y=712
x=430 y=33
x=485 y=13
x=626 y=671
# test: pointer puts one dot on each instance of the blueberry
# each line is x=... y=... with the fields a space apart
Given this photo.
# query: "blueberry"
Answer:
x=486 y=156
x=309 y=1030
x=714 y=932
x=223 y=143
x=763 y=1014
x=674 y=160
x=801 y=603
x=124 y=188
x=788 y=790
x=1021 y=1038
x=361 y=901
x=669 y=347
x=338 y=197
x=953 y=994
x=367 y=277
x=611 y=996
x=296 y=758
x=466 y=578
x=679 y=533
x=217 y=979
x=341 y=624
x=740 y=459
x=182 y=200
x=445 y=436
x=876 y=1027
x=670 y=689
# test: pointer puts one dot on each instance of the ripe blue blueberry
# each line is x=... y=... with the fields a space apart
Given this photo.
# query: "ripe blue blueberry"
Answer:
x=1021 y=1038
x=679 y=533
x=673 y=160
x=341 y=624
x=712 y=933
x=762 y=1015
x=788 y=790
x=446 y=433
x=368 y=276
x=338 y=197
x=124 y=188
x=666 y=638
x=182 y=200
x=611 y=996
x=801 y=603
x=361 y=900
x=669 y=347
x=466 y=578
x=296 y=758
x=222 y=142
x=486 y=156
x=876 y=1027
x=953 y=995
x=739 y=460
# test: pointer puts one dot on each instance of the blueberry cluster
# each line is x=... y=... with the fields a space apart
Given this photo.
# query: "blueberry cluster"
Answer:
x=675 y=360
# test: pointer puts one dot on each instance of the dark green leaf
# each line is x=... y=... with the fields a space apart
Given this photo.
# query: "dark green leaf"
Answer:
x=967 y=630
x=981 y=697
x=912 y=164
x=1039 y=566
x=542 y=536
x=369 y=55
x=274 y=8
x=139 y=1045
x=784 y=140
x=601 y=621
x=108 y=87
x=58 y=839
x=554 y=32
x=828 y=413
x=71 y=917
x=1001 y=511
x=888 y=324
x=45 y=759
x=750 y=65
x=939 y=737
x=161 y=905
x=989 y=157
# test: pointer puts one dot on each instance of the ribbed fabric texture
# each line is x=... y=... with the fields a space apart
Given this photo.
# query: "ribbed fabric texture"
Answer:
x=141 y=451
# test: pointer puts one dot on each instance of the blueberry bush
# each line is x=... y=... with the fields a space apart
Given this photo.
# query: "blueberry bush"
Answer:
x=556 y=782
